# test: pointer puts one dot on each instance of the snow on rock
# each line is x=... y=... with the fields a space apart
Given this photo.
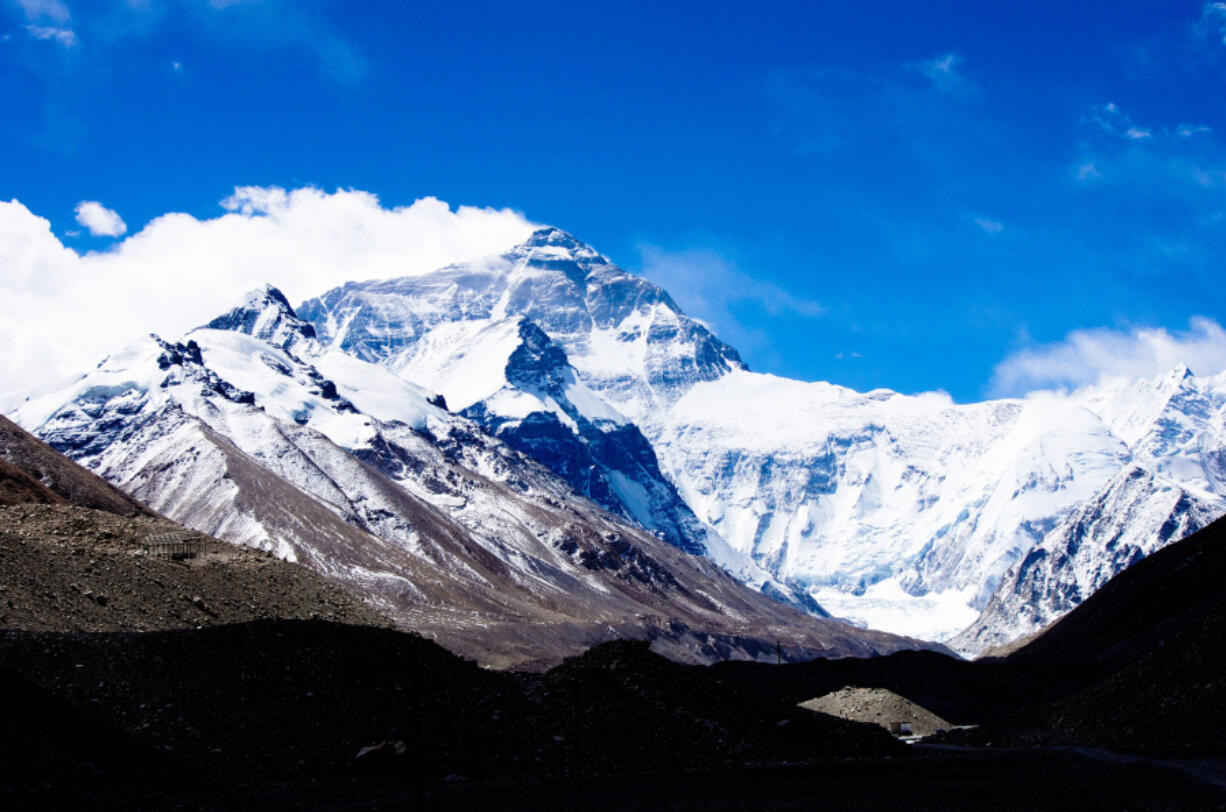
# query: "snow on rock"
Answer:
x=901 y=512
x=495 y=337
x=327 y=460
x=1135 y=514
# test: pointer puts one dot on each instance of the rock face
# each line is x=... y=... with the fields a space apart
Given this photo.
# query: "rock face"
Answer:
x=909 y=513
x=260 y=435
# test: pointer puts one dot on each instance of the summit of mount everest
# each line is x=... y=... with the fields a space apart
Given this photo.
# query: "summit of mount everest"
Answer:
x=540 y=437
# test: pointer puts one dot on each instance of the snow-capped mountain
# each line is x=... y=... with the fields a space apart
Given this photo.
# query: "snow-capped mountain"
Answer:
x=626 y=337
x=559 y=352
x=252 y=430
x=911 y=514
x=1172 y=486
x=907 y=513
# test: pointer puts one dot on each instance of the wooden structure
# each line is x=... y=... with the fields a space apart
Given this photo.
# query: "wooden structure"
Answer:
x=174 y=546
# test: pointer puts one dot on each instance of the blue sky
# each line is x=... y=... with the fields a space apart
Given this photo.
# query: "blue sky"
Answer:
x=911 y=195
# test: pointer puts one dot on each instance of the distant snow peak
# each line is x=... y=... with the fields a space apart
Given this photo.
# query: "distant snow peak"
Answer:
x=554 y=242
x=266 y=314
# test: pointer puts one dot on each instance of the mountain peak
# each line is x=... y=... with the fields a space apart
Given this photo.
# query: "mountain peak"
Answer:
x=266 y=314
x=554 y=237
x=554 y=248
x=268 y=295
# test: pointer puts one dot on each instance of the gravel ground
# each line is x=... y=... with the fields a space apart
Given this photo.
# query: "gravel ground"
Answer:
x=879 y=707
x=66 y=568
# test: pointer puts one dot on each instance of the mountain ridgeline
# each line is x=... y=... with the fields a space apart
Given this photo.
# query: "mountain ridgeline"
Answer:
x=540 y=439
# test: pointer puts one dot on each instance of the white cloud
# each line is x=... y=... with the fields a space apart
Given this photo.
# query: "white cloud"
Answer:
x=1086 y=357
x=101 y=221
x=54 y=10
x=1113 y=121
x=1189 y=130
x=63 y=311
x=989 y=225
x=64 y=36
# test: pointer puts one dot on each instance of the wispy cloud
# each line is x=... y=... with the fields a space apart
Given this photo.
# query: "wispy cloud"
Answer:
x=64 y=36
x=53 y=10
x=1086 y=357
x=286 y=23
x=944 y=73
x=1088 y=171
x=989 y=225
x=1213 y=21
x=48 y=21
x=263 y=24
x=1189 y=130
x=1113 y=121
x=713 y=289
x=101 y=221
x=1159 y=161
x=830 y=109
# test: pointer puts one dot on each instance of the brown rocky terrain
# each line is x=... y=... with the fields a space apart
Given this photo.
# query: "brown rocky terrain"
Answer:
x=68 y=568
x=72 y=558
x=27 y=463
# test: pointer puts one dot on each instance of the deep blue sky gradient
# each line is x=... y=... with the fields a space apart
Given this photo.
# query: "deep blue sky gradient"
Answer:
x=906 y=227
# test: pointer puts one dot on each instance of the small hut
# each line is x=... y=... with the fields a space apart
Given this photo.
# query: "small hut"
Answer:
x=177 y=545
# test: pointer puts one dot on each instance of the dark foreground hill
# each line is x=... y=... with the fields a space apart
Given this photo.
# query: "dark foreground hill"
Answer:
x=308 y=700
x=319 y=715
x=1158 y=630
x=1136 y=668
x=313 y=714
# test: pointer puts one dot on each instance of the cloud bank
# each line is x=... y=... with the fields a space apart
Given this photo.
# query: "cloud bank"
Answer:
x=1086 y=357
x=64 y=311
